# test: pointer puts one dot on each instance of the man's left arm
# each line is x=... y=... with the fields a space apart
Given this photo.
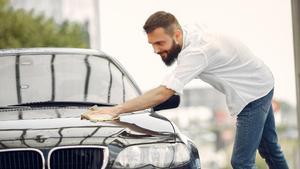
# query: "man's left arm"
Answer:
x=147 y=100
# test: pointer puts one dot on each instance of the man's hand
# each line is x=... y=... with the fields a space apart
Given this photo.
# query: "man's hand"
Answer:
x=95 y=114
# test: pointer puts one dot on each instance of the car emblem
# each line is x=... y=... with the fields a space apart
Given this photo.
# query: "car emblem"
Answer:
x=41 y=138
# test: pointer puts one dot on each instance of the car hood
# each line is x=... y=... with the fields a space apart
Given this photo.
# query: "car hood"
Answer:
x=52 y=127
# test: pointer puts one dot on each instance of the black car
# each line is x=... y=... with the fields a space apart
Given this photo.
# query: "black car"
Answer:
x=45 y=90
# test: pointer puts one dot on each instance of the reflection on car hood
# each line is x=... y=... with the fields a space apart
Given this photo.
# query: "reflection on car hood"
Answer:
x=51 y=127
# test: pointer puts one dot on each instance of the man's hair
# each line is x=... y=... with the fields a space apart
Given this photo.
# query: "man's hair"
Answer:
x=162 y=19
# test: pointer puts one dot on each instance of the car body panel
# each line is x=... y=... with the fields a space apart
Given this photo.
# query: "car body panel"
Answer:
x=42 y=128
x=40 y=108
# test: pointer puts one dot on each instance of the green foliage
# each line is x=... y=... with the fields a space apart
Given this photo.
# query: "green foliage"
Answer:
x=21 y=29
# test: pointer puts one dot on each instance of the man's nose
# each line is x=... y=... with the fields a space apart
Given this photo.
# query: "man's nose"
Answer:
x=156 y=49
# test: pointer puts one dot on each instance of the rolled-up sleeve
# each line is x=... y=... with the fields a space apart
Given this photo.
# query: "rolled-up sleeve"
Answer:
x=190 y=64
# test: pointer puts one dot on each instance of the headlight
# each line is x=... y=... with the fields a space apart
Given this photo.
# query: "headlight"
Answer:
x=158 y=155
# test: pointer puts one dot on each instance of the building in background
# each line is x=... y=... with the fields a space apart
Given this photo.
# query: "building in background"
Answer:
x=211 y=98
x=83 y=12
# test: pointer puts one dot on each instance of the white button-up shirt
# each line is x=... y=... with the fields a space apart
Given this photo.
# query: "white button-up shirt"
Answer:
x=223 y=62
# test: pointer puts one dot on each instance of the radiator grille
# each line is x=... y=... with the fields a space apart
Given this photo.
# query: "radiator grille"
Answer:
x=77 y=158
x=21 y=159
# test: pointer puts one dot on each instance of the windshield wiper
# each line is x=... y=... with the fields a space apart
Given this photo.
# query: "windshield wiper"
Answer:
x=13 y=107
x=59 y=104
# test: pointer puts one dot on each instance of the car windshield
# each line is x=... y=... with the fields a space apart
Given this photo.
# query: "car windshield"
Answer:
x=62 y=77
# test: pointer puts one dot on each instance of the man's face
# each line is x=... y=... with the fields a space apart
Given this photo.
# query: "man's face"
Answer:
x=164 y=45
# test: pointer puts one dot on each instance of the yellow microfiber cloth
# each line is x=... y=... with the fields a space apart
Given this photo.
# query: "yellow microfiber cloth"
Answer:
x=98 y=117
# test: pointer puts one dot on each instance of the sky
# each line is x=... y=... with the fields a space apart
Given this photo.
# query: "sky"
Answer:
x=265 y=26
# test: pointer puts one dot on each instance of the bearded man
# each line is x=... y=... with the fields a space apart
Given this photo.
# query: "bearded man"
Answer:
x=227 y=65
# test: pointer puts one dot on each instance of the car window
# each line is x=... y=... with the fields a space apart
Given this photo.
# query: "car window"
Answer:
x=35 y=78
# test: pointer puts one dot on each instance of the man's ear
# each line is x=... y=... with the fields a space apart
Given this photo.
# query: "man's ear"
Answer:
x=178 y=34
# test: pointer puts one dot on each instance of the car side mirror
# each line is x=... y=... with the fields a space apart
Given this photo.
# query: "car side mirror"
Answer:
x=171 y=103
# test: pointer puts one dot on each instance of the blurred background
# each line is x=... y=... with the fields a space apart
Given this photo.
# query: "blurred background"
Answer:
x=115 y=27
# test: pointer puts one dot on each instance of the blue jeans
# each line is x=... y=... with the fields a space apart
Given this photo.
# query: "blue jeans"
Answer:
x=255 y=129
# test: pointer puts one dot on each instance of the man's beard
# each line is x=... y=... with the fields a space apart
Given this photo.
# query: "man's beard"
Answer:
x=172 y=54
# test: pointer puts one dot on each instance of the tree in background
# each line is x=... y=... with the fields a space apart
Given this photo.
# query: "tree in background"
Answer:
x=21 y=29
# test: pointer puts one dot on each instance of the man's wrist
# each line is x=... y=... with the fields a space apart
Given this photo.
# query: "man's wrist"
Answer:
x=119 y=109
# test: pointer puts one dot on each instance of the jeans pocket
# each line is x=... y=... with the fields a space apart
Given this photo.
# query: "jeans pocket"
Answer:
x=266 y=107
x=266 y=103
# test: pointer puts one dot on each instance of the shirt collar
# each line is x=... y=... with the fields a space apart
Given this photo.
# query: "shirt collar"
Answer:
x=184 y=38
